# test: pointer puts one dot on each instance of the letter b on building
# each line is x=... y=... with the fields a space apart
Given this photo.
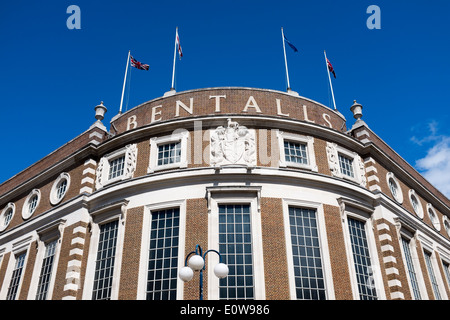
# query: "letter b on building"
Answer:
x=74 y=21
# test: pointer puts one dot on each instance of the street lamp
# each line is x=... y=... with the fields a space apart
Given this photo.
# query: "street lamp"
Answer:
x=197 y=263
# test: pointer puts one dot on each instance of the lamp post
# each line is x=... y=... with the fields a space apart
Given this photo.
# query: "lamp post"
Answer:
x=197 y=263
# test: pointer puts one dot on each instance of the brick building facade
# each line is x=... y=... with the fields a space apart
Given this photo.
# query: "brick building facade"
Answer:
x=299 y=206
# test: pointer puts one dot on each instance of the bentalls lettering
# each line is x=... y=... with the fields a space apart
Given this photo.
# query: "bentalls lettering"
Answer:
x=217 y=104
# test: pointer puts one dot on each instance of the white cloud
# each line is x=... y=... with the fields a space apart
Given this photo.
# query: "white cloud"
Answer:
x=435 y=166
x=433 y=128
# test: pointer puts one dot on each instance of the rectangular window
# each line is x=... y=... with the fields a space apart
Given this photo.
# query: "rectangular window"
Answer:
x=235 y=245
x=116 y=167
x=104 y=266
x=16 y=276
x=361 y=257
x=295 y=152
x=434 y=283
x=309 y=278
x=163 y=255
x=346 y=166
x=169 y=153
x=46 y=270
x=447 y=271
x=411 y=271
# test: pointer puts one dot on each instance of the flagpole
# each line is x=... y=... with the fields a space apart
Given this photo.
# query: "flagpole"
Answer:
x=285 y=60
x=124 y=81
x=329 y=78
x=174 y=59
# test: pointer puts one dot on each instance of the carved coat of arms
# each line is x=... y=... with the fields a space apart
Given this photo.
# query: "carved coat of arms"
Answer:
x=234 y=144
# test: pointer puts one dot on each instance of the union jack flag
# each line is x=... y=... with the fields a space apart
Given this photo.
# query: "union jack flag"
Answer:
x=138 y=65
x=180 y=52
x=330 y=68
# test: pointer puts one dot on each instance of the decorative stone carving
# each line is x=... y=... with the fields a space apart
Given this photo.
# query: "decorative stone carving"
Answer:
x=130 y=160
x=99 y=172
x=332 y=156
x=233 y=145
x=361 y=171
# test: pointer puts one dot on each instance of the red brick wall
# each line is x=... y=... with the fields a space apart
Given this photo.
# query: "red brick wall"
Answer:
x=274 y=250
x=338 y=254
x=131 y=254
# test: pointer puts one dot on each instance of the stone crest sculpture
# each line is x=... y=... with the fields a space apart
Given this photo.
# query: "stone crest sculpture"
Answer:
x=234 y=144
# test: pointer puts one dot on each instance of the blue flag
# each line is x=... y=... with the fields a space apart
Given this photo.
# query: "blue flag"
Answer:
x=290 y=44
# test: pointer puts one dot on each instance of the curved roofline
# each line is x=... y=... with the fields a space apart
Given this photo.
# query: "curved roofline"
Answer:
x=231 y=88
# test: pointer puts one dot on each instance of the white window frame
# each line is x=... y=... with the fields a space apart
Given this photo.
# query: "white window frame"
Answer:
x=235 y=195
x=26 y=214
x=446 y=224
x=323 y=243
x=362 y=213
x=155 y=142
x=102 y=173
x=9 y=206
x=333 y=151
x=18 y=248
x=46 y=234
x=103 y=215
x=431 y=247
x=145 y=244
x=437 y=274
x=434 y=222
x=419 y=211
x=54 y=200
x=399 y=195
x=412 y=243
x=353 y=156
x=296 y=138
x=445 y=259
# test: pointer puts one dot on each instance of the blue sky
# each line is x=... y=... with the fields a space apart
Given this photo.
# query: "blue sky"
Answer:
x=52 y=78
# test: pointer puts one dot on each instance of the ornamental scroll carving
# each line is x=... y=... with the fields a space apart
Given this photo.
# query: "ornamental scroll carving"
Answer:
x=362 y=171
x=332 y=157
x=130 y=160
x=233 y=145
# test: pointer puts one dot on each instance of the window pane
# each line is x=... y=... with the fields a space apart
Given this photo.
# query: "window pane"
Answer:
x=447 y=271
x=116 y=167
x=295 y=152
x=411 y=271
x=15 y=278
x=104 y=267
x=61 y=189
x=236 y=250
x=163 y=255
x=169 y=153
x=393 y=187
x=434 y=283
x=46 y=270
x=346 y=166
x=32 y=204
x=361 y=257
x=309 y=281
x=8 y=217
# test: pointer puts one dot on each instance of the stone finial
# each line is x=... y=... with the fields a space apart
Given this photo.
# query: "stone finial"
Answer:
x=356 y=108
x=100 y=111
